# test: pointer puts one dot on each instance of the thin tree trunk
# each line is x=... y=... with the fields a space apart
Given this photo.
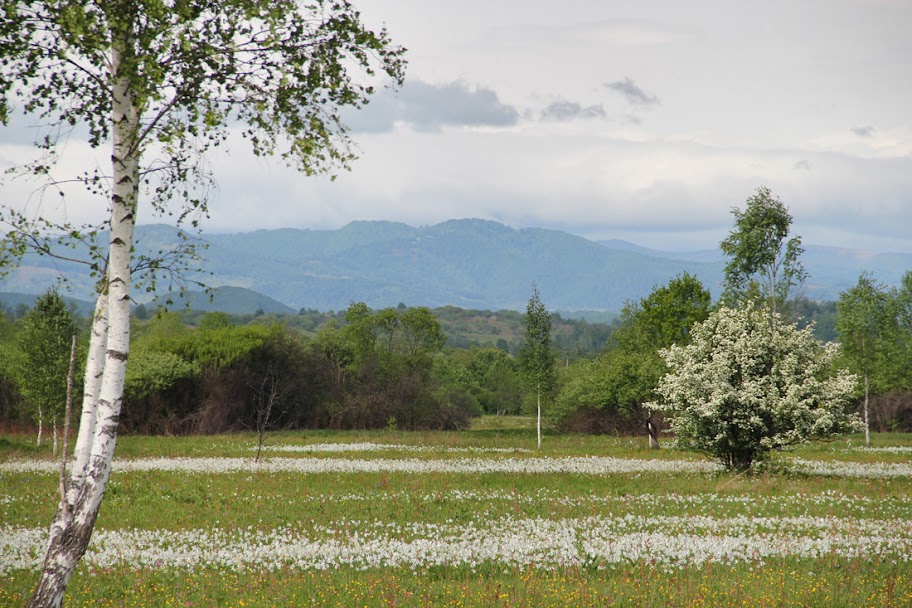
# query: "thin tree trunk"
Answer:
x=67 y=414
x=72 y=528
x=653 y=433
x=867 y=424
x=54 y=432
x=538 y=425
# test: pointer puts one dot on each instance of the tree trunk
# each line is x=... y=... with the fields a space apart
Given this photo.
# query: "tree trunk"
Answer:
x=653 y=433
x=54 y=432
x=538 y=425
x=867 y=424
x=71 y=529
x=94 y=372
x=40 y=424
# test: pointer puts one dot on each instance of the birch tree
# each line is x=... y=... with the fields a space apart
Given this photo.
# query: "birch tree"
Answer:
x=158 y=83
x=763 y=263
x=866 y=321
x=44 y=346
x=536 y=356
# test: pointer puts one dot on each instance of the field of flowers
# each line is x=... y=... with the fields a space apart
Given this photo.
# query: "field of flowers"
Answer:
x=471 y=519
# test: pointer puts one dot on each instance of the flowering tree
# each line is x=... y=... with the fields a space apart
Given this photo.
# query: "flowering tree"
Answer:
x=745 y=387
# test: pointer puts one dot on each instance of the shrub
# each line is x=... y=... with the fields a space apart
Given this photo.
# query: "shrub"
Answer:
x=750 y=383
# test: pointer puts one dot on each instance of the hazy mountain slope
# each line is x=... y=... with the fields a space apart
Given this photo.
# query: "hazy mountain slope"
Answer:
x=233 y=300
x=468 y=263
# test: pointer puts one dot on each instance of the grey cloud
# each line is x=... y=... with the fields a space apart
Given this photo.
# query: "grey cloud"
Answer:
x=561 y=110
x=863 y=131
x=378 y=116
x=802 y=165
x=429 y=107
x=632 y=92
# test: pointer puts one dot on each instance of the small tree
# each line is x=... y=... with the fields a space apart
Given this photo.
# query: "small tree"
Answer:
x=869 y=333
x=623 y=379
x=535 y=356
x=763 y=264
x=44 y=344
x=744 y=387
x=665 y=316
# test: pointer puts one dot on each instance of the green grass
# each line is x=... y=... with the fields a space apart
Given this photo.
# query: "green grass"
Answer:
x=266 y=501
x=828 y=583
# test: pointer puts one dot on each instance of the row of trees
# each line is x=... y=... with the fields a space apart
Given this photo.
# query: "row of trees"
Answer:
x=388 y=367
x=375 y=369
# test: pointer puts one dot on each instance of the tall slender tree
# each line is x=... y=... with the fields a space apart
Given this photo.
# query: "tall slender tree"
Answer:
x=763 y=263
x=159 y=82
x=866 y=321
x=44 y=346
x=535 y=355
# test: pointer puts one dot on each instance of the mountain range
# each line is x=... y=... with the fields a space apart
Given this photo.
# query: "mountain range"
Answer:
x=467 y=263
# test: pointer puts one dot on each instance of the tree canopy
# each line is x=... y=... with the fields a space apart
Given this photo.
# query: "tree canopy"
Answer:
x=762 y=262
x=45 y=343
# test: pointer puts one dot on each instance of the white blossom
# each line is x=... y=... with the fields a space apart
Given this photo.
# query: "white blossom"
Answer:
x=750 y=383
x=669 y=541
x=580 y=465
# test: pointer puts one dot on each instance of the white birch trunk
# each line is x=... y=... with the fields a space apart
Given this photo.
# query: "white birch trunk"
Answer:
x=40 y=424
x=867 y=426
x=54 y=431
x=71 y=529
x=94 y=372
x=538 y=423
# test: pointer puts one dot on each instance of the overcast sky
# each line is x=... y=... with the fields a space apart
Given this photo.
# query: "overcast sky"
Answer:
x=642 y=120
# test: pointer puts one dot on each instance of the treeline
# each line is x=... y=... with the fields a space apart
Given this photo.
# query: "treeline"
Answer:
x=463 y=328
x=369 y=369
x=871 y=322
x=193 y=372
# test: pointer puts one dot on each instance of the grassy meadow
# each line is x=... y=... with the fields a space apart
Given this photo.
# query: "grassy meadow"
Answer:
x=474 y=518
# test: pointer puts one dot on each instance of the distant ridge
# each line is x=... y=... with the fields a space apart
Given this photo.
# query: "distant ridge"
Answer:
x=468 y=263
x=233 y=300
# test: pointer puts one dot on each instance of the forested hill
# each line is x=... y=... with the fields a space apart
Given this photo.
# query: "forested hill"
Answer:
x=467 y=263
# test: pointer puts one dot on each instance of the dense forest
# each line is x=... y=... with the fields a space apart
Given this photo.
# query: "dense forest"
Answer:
x=196 y=372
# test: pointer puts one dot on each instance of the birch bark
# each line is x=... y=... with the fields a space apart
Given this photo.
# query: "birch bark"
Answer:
x=72 y=527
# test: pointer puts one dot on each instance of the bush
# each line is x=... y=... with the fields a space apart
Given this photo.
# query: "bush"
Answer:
x=750 y=383
x=610 y=390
